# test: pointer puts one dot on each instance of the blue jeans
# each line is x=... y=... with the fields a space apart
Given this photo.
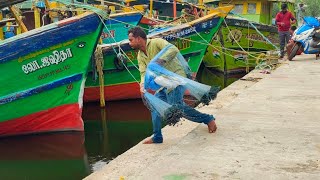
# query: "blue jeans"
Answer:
x=176 y=97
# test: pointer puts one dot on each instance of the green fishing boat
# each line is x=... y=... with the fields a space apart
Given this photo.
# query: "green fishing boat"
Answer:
x=43 y=75
x=238 y=43
x=121 y=75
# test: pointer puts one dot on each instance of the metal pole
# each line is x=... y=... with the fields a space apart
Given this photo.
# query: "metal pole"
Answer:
x=174 y=9
x=151 y=8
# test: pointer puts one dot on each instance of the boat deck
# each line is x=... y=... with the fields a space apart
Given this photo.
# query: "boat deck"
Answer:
x=268 y=128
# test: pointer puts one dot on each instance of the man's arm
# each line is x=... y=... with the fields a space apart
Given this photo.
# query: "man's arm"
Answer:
x=142 y=69
x=170 y=54
x=293 y=19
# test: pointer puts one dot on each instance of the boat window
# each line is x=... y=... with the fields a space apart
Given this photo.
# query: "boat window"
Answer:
x=252 y=8
x=238 y=8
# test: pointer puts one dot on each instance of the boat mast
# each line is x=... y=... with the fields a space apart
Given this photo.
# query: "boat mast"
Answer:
x=151 y=8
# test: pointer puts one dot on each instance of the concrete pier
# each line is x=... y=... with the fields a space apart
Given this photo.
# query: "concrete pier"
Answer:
x=268 y=128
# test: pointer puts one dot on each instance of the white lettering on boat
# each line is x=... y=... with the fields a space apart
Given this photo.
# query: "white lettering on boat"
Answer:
x=182 y=33
x=53 y=59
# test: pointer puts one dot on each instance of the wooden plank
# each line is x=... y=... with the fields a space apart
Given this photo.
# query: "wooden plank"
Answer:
x=18 y=19
x=4 y=21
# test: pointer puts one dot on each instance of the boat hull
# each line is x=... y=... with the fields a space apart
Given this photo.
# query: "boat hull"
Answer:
x=44 y=72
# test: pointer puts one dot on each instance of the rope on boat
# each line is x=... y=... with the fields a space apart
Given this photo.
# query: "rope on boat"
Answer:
x=249 y=23
x=199 y=34
x=247 y=61
x=247 y=52
x=121 y=51
x=206 y=43
x=98 y=55
x=252 y=25
x=101 y=78
x=267 y=61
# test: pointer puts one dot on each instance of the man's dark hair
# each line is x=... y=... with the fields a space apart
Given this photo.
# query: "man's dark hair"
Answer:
x=137 y=32
x=293 y=28
x=284 y=6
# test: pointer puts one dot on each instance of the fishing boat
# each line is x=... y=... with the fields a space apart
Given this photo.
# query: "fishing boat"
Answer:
x=121 y=77
x=43 y=75
x=247 y=31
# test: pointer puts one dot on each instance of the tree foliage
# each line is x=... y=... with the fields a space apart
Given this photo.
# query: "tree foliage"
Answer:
x=275 y=9
x=313 y=8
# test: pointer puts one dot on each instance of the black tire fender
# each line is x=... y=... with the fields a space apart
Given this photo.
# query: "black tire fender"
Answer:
x=120 y=62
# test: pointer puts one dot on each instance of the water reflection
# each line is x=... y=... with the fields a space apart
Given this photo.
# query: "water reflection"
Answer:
x=206 y=76
x=46 y=156
x=112 y=130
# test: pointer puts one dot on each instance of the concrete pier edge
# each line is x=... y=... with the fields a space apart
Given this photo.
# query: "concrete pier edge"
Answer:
x=268 y=128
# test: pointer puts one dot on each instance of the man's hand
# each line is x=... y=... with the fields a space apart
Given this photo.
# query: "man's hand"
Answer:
x=161 y=62
x=142 y=90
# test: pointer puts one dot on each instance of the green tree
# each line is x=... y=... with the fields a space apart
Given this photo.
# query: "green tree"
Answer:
x=275 y=9
x=312 y=8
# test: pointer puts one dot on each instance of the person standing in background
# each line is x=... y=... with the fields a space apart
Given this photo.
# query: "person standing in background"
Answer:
x=300 y=12
x=284 y=19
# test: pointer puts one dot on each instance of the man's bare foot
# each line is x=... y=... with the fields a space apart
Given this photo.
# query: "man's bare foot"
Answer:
x=212 y=127
x=151 y=141
x=148 y=141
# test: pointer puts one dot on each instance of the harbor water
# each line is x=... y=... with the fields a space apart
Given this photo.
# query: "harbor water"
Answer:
x=109 y=132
